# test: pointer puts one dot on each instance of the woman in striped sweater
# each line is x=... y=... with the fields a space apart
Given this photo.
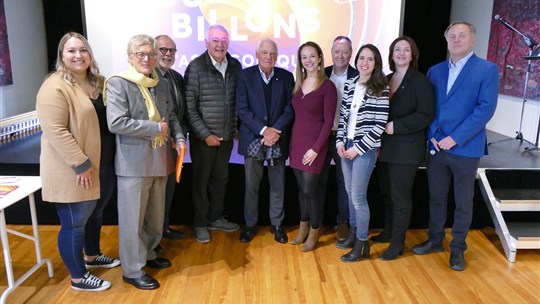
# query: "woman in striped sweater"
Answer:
x=362 y=117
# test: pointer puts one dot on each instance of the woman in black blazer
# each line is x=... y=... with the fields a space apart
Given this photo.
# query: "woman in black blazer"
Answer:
x=403 y=145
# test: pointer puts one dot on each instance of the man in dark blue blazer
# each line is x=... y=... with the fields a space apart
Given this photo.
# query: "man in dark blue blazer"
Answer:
x=263 y=107
x=466 y=91
x=338 y=73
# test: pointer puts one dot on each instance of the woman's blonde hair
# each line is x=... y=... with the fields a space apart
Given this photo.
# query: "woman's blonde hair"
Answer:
x=94 y=77
x=301 y=74
x=140 y=40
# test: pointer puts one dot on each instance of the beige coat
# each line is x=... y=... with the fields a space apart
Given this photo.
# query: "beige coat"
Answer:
x=70 y=138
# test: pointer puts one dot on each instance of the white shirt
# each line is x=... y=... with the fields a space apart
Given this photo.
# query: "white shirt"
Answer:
x=221 y=67
x=263 y=75
x=339 y=82
x=358 y=97
x=454 y=70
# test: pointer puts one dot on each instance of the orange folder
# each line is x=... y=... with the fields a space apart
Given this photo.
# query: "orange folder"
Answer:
x=180 y=163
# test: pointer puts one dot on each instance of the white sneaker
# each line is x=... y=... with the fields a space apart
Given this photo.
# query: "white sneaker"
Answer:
x=102 y=261
x=91 y=283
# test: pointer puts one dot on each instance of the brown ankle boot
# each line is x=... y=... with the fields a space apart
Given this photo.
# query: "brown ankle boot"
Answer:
x=312 y=240
x=302 y=234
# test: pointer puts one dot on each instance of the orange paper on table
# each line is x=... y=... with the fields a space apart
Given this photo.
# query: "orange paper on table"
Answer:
x=180 y=163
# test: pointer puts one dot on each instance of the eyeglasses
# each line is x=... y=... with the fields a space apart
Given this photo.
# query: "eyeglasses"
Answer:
x=164 y=50
x=142 y=55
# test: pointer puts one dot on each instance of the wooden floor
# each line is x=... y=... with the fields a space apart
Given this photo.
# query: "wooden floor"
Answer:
x=263 y=271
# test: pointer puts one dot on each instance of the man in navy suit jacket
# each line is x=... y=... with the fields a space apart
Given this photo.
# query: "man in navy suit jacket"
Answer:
x=263 y=107
x=466 y=91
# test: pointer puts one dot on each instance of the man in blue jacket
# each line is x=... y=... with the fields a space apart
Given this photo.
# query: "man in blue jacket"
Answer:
x=466 y=91
x=263 y=105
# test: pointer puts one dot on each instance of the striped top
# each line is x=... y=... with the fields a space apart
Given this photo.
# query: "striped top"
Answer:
x=370 y=121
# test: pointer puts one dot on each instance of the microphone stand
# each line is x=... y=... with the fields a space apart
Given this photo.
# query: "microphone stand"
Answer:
x=535 y=56
x=519 y=135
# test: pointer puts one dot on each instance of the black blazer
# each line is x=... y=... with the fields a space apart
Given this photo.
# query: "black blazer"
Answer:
x=412 y=108
x=180 y=102
x=351 y=72
x=179 y=83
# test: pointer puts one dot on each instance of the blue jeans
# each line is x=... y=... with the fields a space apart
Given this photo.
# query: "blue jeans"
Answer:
x=342 y=198
x=356 y=173
x=107 y=181
x=73 y=218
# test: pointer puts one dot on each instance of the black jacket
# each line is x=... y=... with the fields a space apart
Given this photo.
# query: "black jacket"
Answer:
x=179 y=107
x=351 y=72
x=411 y=109
x=210 y=98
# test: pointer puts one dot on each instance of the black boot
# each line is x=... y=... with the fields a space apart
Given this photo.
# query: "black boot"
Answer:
x=392 y=252
x=349 y=241
x=360 y=250
x=383 y=237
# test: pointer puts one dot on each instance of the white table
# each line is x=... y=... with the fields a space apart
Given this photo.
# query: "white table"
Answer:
x=27 y=186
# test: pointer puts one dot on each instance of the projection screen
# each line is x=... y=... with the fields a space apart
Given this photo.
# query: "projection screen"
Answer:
x=110 y=23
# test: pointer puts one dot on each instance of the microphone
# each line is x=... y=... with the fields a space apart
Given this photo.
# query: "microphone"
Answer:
x=501 y=20
x=529 y=41
x=504 y=22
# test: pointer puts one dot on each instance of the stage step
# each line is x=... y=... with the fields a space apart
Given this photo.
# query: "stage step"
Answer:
x=512 y=192
x=518 y=199
x=525 y=234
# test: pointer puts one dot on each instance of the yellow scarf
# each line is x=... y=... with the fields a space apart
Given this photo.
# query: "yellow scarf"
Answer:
x=143 y=83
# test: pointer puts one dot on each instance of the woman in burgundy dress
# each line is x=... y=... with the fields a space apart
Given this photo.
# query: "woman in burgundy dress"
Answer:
x=314 y=104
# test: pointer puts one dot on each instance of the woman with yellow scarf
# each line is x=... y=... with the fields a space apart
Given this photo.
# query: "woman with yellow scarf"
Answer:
x=139 y=112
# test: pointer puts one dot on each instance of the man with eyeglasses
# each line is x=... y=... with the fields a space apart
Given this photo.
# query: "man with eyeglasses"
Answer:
x=263 y=103
x=165 y=60
x=210 y=98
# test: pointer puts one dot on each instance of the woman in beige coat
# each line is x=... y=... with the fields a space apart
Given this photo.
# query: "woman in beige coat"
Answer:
x=70 y=157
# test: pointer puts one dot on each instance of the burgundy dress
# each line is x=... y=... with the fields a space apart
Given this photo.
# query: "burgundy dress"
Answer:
x=313 y=119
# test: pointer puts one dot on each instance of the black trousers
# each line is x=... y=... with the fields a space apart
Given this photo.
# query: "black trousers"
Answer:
x=210 y=176
x=396 y=182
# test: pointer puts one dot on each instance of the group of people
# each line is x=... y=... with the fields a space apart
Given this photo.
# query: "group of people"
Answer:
x=125 y=132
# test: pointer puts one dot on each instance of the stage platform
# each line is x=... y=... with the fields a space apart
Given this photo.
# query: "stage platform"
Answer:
x=20 y=156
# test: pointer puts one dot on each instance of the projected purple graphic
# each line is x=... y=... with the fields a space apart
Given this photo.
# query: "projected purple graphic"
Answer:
x=289 y=23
